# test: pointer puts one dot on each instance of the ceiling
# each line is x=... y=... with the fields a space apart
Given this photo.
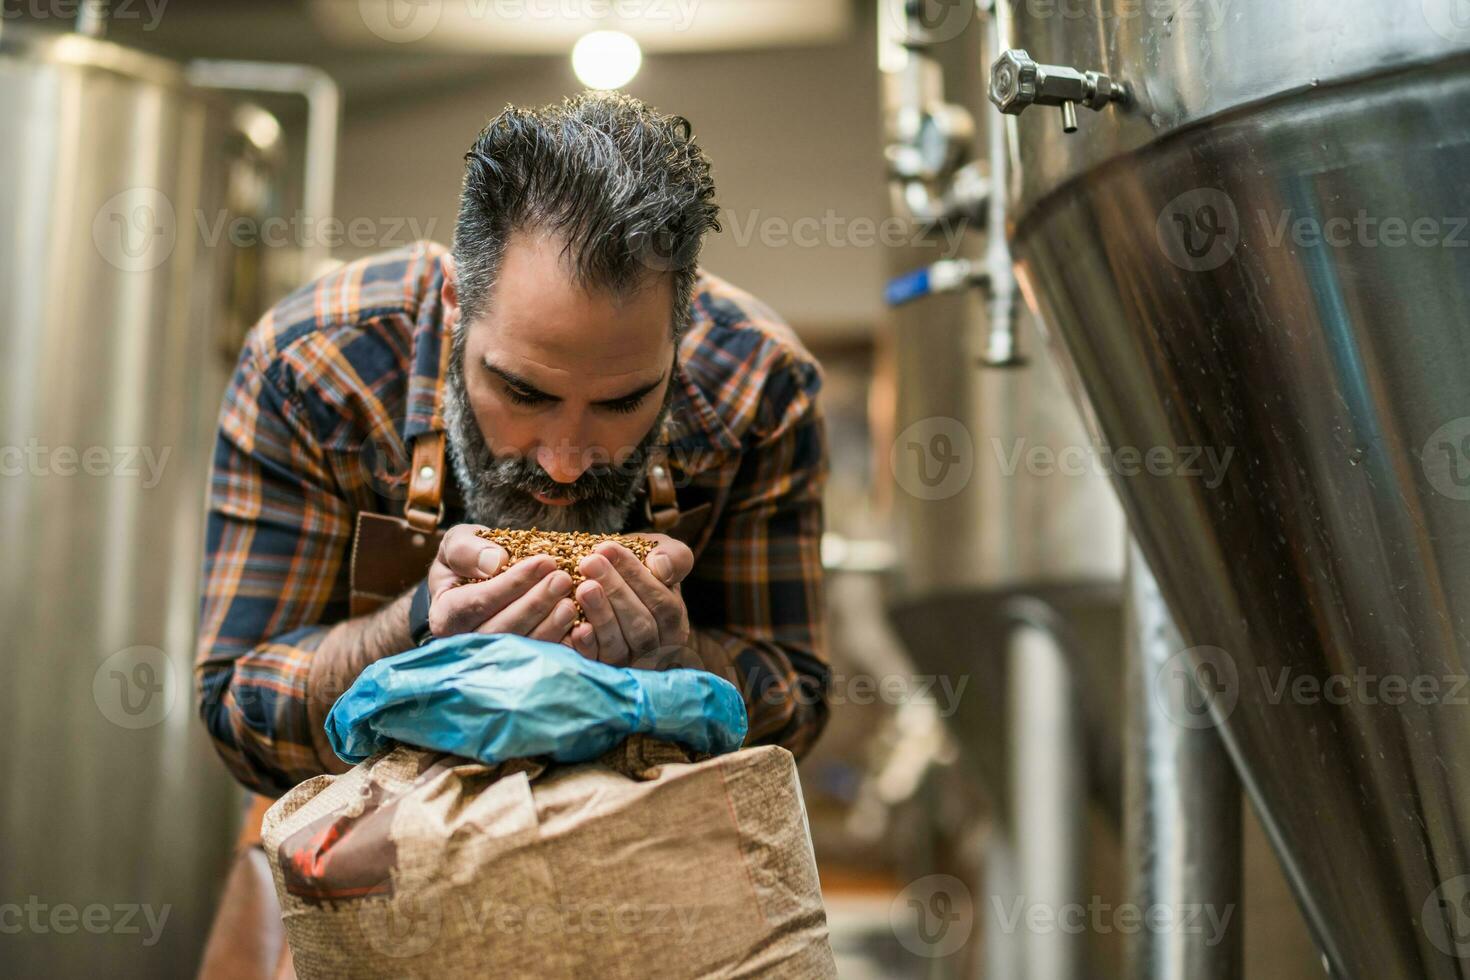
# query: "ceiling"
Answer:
x=390 y=48
x=551 y=26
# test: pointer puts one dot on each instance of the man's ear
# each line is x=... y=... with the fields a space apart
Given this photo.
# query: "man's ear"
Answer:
x=449 y=292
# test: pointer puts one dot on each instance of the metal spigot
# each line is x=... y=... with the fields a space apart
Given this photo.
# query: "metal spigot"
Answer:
x=1017 y=81
x=995 y=285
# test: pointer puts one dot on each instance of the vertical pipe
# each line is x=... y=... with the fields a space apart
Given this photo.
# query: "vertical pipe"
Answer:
x=1001 y=344
x=1049 y=800
x=1182 y=835
x=323 y=111
x=1003 y=957
x=92 y=18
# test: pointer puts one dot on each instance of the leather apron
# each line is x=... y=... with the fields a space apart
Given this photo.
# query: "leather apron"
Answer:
x=391 y=554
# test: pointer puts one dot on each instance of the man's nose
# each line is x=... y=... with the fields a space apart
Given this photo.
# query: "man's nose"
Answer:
x=564 y=461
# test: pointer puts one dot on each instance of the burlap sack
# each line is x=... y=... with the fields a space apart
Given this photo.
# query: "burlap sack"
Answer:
x=644 y=864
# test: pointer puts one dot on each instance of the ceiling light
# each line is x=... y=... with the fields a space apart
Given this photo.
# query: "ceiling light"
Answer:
x=606 y=59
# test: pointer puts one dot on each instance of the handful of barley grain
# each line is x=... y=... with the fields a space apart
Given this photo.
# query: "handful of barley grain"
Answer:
x=568 y=548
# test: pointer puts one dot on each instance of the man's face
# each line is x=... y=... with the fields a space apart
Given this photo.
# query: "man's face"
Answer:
x=555 y=393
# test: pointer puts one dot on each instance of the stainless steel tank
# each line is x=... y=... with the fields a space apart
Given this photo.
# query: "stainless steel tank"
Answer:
x=1260 y=251
x=115 y=816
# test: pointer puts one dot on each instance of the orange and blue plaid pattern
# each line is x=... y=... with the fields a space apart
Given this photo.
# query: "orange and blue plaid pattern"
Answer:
x=332 y=387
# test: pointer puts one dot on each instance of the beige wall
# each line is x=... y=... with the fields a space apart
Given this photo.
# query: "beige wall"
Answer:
x=791 y=134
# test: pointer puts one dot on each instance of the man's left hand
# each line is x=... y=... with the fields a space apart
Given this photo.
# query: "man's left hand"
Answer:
x=634 y=609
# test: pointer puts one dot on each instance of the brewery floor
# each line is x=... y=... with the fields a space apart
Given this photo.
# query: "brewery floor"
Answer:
x=864 y=942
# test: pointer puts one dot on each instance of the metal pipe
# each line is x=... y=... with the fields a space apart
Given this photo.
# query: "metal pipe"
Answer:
x=1049 y=801
x=929 y=137
x=1001 y=347
x=1004 y=955
x=92 y=18
x=1182 y=818
x=930 y=192
x=323 y=112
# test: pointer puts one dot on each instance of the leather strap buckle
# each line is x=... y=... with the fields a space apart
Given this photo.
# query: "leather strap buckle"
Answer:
x=424 y=509
x=662 y=505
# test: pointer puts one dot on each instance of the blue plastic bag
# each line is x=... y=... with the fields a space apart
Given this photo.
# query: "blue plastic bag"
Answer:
x=498 y=697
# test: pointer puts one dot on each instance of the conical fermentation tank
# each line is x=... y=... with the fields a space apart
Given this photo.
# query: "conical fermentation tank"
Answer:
x=1245 y=227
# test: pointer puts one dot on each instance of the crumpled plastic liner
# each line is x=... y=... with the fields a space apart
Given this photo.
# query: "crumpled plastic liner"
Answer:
x=499 y=697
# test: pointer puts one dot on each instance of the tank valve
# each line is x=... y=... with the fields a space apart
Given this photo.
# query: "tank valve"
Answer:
x=1017 y=81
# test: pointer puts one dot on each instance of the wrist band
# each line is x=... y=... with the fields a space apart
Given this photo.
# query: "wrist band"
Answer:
x=418 y=615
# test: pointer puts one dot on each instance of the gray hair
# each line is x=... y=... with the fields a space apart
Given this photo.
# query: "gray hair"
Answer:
x=628 y=189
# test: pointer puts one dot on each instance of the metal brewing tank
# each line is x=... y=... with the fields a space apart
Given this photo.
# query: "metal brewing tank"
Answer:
x=115 y=815
x=1264 y=251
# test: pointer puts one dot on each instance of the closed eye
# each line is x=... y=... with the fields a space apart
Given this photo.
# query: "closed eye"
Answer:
x=624 y=406
x=520 y=396
x=521 y=392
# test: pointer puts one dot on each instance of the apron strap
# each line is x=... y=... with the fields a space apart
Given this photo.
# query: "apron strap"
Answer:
x=424 y=508
x=662 y=505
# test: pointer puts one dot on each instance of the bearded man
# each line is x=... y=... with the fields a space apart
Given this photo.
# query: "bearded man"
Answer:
x=567 y=366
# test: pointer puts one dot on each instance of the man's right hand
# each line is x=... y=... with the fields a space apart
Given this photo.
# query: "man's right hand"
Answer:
x=531 y=598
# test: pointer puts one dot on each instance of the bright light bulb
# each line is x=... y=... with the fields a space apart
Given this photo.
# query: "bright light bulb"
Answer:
x=606 y=59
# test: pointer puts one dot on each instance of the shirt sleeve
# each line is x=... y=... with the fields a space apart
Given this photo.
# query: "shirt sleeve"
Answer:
x=276 y=539
x=755 y=596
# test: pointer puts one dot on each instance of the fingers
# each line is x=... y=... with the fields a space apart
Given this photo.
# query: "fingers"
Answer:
x=607 y=634
x=526 y=613
x=631 y=607
x=465 y=608
x=642 y=578
x=583 y=639
x=557 y=623
x=670 y=560
x=662 y=601
x=463 y=554
x=634 y=618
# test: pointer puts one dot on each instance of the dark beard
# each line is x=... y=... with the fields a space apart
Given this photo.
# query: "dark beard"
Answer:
x=498 y=491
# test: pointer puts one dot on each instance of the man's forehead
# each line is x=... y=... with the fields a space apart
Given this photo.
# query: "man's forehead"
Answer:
x=542 y=313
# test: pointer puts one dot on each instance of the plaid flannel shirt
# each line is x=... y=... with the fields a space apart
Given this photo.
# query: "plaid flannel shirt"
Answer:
x=330 y=390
